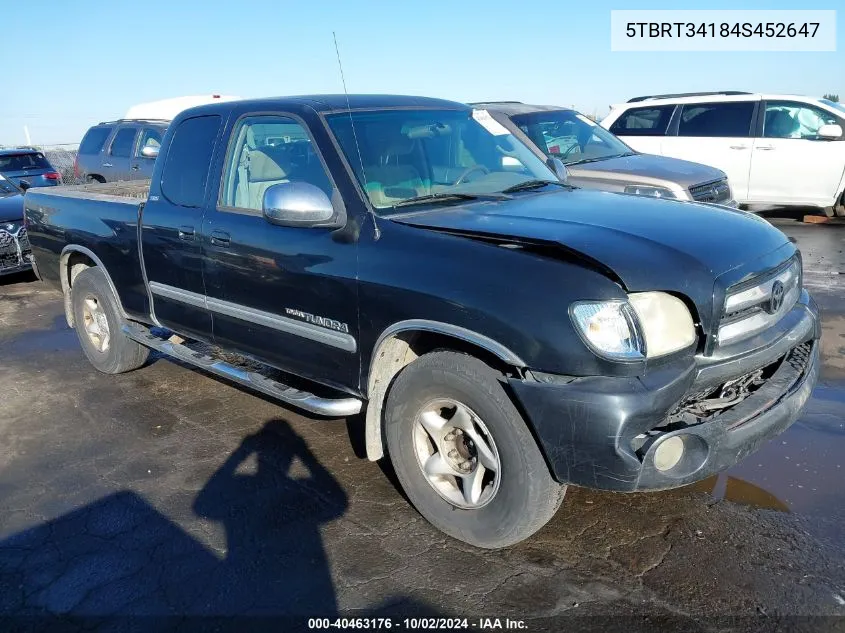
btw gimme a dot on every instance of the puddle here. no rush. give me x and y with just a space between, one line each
801 471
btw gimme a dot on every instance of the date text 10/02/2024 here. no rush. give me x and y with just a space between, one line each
417 624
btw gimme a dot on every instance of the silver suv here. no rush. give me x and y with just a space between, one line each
596 159
119 150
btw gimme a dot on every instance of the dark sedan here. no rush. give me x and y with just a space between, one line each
15 254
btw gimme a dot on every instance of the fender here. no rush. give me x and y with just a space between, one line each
391 354
66 290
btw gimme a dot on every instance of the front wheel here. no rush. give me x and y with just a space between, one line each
97 319
463 453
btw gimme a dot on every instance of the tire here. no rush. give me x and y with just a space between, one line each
95 307
526 496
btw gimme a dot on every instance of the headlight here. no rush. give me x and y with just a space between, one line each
666 323
610 329
648 325
656 192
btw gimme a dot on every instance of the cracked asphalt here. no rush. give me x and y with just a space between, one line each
167 499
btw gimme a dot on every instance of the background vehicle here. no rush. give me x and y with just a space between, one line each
595 339
15 254
126 149
784 150
596 159
119 150
28 167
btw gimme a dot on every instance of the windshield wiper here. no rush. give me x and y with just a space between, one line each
447 197
532 184
590 160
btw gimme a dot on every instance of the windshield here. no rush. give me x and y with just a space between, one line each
6 186
570 136
833 104
407 154
22 162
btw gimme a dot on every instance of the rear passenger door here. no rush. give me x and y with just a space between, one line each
119 153
719 134
285 295
644 128
141 166
171 220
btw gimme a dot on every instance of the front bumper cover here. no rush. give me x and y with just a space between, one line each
586 426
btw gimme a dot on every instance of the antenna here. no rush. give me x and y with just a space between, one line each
376 231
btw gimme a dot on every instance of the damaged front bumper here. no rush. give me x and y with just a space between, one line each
604 432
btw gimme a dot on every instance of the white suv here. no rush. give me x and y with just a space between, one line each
776 149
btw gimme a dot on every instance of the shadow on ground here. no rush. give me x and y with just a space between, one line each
119 562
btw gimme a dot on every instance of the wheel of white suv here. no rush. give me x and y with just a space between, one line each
98 322
463 453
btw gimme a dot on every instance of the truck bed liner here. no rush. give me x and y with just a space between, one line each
127 192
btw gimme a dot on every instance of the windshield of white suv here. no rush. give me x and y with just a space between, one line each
434 156
833 104
570 136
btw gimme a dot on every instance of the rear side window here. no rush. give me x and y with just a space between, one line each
121 146
185 173
716 119
22 162
651 121
94 140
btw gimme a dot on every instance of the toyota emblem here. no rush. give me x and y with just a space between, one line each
776 300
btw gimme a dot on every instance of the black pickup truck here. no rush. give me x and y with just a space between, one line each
505 334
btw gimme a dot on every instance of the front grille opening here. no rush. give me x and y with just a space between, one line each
708 405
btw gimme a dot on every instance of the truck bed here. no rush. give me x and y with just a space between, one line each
96 221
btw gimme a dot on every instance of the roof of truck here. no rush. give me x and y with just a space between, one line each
340 102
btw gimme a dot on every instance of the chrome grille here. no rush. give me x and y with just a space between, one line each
715 191
753 306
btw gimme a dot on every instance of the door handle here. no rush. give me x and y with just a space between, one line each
765 147
136 167
220 238
107 165
186 233
739 146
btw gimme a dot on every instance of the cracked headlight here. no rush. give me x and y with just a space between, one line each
648 325
655 192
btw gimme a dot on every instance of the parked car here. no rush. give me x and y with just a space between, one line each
28 167
596 159
126 149
119 150
15 253
784 150
506 334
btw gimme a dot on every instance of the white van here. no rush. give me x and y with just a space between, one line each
776 149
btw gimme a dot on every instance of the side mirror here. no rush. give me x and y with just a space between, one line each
24 185
149 151
830 130
297 204
557 166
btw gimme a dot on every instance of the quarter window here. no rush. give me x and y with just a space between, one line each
121 146
788 119
726 119
94 140
267 151
185 173
652 121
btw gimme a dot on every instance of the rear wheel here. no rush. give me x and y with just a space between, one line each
463 453
98 322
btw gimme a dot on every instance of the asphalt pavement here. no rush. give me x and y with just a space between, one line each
165 499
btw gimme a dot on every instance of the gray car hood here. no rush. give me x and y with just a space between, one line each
648 166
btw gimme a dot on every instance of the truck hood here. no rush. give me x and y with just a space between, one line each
645 243
11 207
647 166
